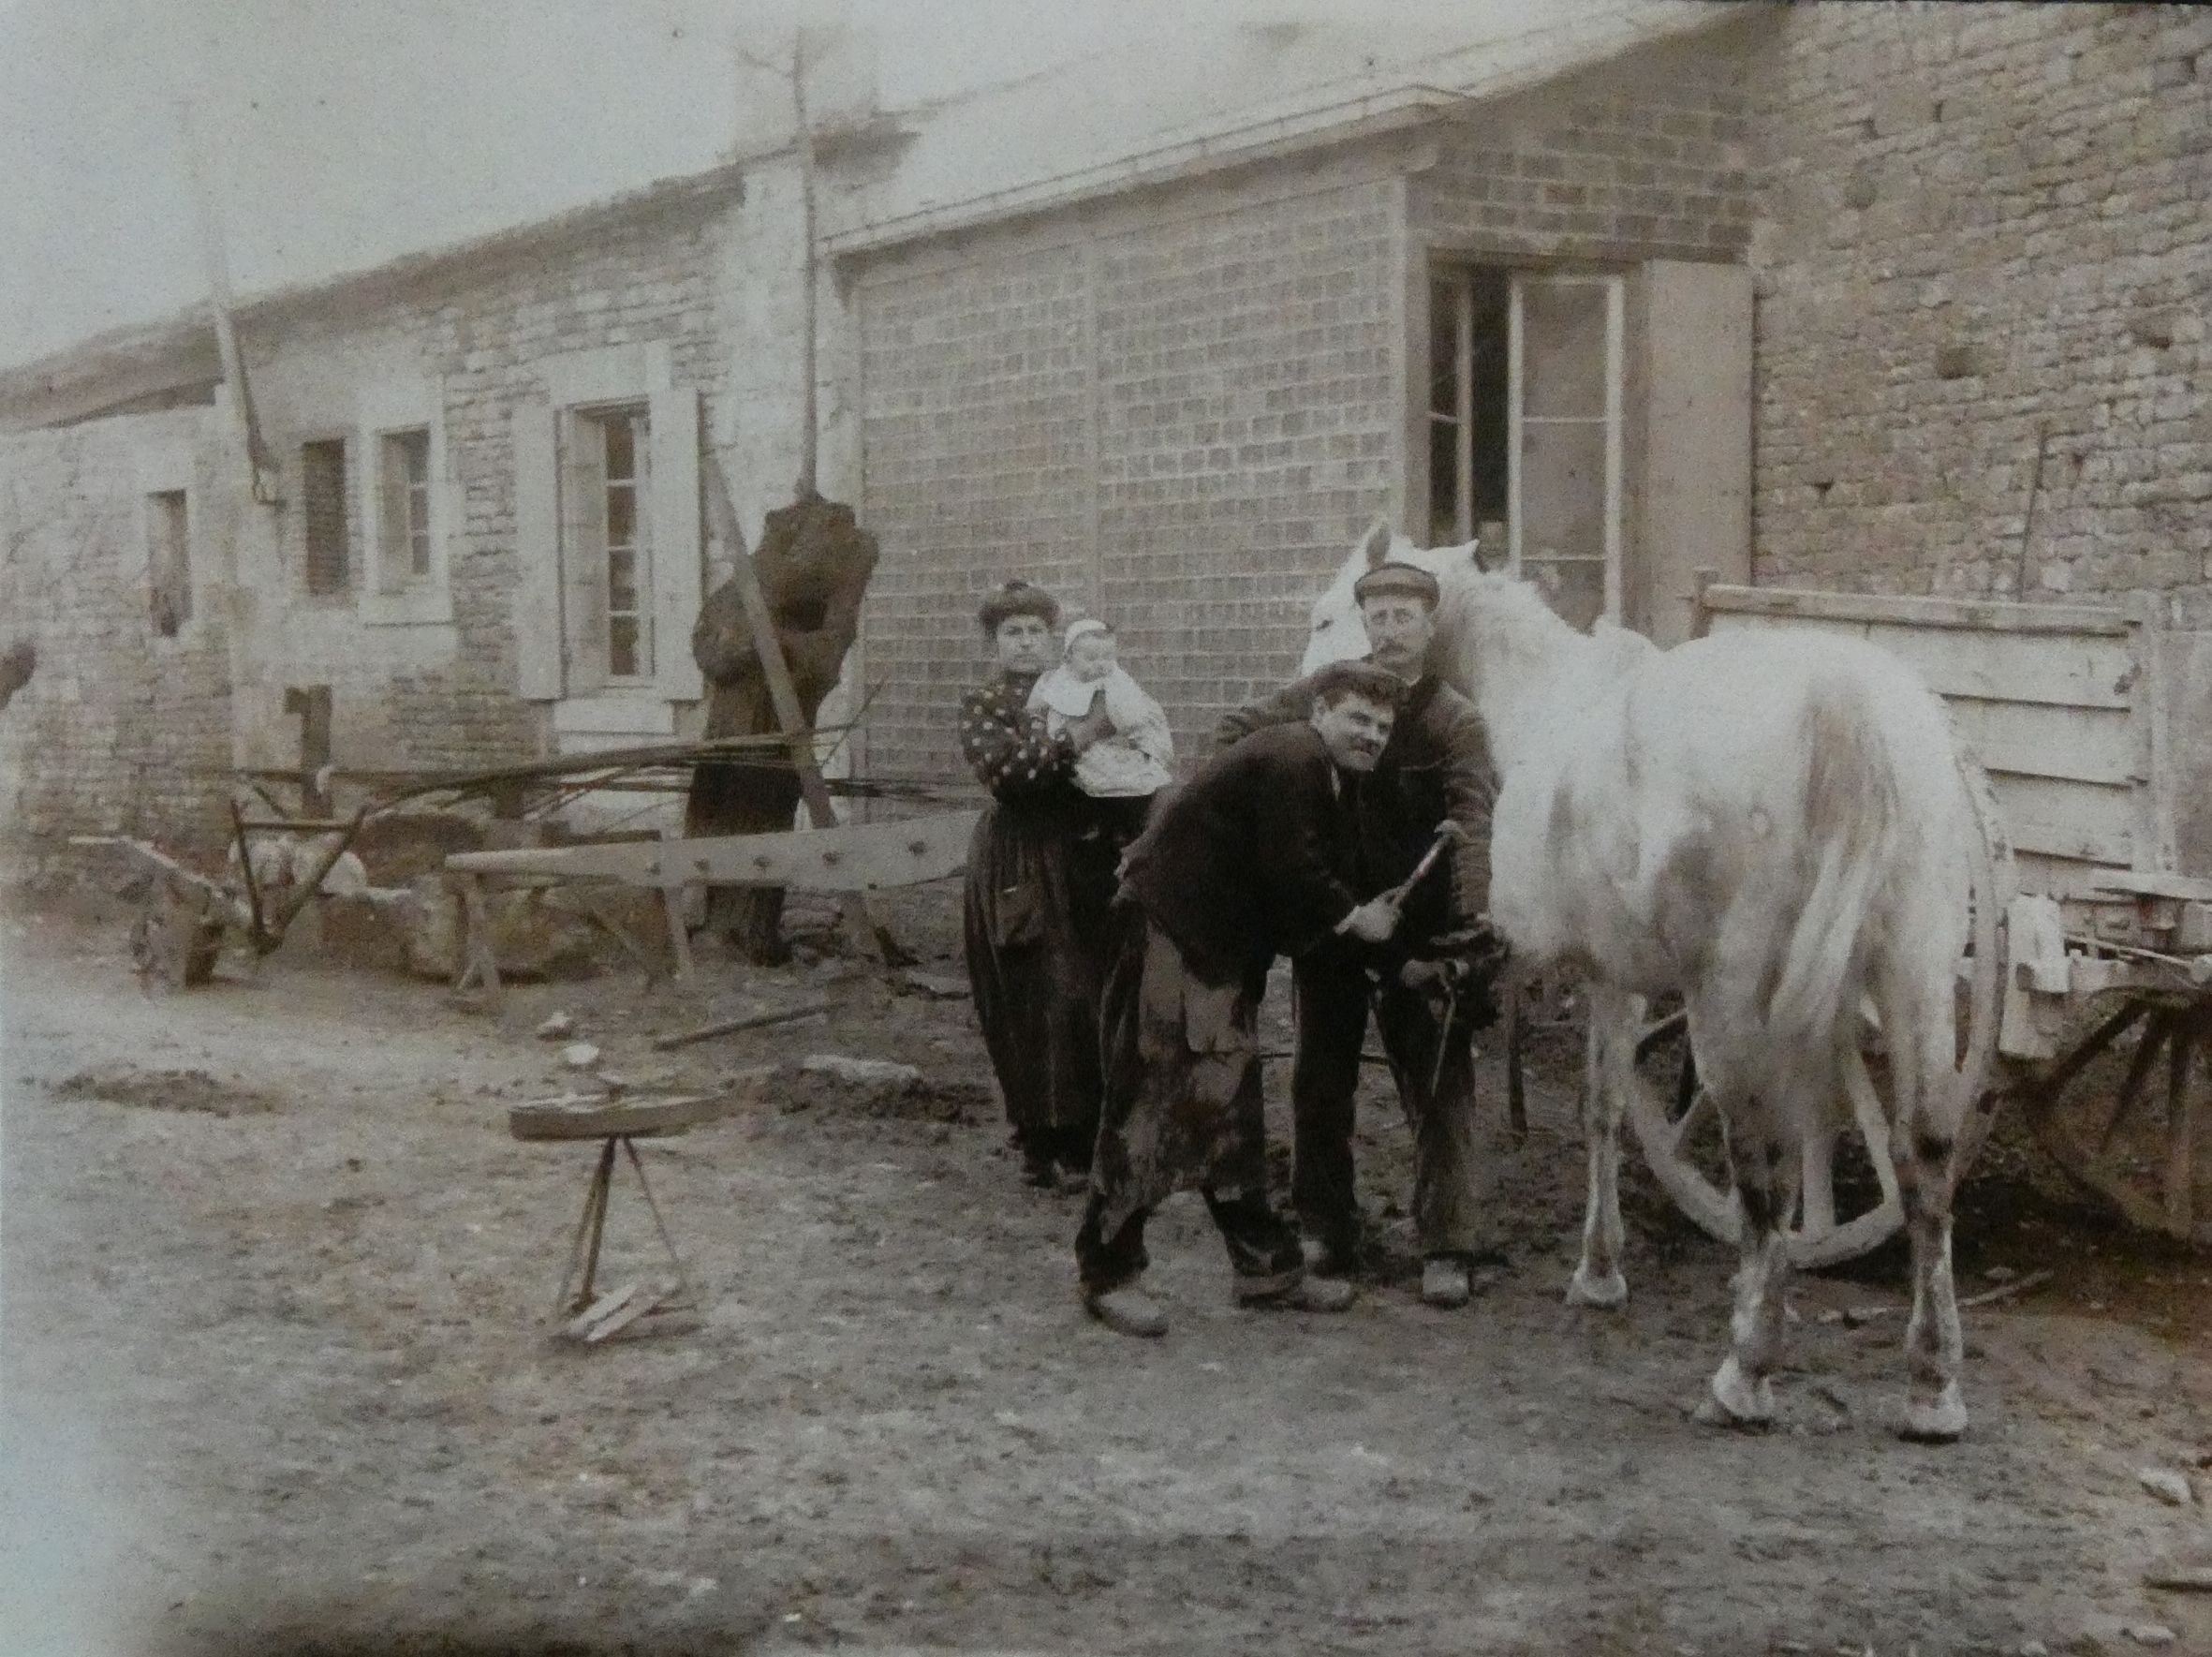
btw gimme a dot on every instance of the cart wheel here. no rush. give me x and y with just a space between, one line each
176 940
2136 1144
1847 1203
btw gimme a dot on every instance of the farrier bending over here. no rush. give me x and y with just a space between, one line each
1436 767
1253 858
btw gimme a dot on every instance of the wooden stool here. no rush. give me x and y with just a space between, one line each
617 1122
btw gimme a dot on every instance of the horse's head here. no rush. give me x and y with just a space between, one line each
1336 634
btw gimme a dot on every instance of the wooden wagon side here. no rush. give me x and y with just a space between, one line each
2092 722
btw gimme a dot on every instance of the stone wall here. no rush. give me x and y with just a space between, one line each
1985 227
120 730
422 695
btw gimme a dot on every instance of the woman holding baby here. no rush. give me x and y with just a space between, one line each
1071 751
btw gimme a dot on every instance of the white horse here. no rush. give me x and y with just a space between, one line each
1781 831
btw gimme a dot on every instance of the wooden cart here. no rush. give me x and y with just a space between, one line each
2091 722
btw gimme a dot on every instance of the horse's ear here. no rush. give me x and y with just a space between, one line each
1376 545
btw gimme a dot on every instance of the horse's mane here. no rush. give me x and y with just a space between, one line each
1493 623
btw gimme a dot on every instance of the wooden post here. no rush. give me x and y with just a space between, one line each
266 477
671 898
1701 621
790 716
809 436
480 957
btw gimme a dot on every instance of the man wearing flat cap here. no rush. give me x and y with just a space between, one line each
1425 1005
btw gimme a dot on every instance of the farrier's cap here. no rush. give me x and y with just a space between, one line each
1397 581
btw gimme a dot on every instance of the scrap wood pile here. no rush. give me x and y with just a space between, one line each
277 859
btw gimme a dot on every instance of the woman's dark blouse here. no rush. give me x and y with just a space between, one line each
1008 747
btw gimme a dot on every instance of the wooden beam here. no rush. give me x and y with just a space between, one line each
781 692
267 479
1990 616
844 857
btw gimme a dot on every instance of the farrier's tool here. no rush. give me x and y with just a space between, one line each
1448 834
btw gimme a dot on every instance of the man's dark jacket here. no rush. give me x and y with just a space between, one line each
1437 765
1253 857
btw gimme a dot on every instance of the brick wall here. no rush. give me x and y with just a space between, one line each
1644 158
1982 223
118 731
1176 412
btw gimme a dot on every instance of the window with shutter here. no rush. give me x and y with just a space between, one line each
607 546
322 514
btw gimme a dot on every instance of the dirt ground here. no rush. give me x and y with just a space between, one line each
278 1375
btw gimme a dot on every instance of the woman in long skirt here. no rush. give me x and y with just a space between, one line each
1040 874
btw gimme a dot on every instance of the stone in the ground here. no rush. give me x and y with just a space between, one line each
2167 1486
557 1028
2151 1633
860 1072
941 986
579 1055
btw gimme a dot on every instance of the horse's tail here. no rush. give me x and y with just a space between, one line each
1852 813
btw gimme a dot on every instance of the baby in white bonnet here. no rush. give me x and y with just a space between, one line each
1134 762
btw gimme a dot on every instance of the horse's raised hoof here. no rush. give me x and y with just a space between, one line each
1940 1420
1585 1289
1733 1401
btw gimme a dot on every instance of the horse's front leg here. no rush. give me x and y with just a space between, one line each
1608 1073
1741 1393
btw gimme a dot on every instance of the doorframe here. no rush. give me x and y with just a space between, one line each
1427 259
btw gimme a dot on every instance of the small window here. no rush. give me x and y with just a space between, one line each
614 542
1468 407
322 512
403 470
169 561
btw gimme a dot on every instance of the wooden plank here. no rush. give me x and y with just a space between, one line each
534 433
2156 884
2062 667
679 554
1979 615
2073 820
2066 670
851 857
2159 808
724 1027
1696 387
2039 739
577 1115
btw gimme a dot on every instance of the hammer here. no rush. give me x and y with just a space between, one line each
1448 834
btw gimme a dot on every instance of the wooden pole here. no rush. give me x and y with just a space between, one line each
790 716
809 436
208 214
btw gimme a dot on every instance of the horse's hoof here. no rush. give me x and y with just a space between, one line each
1940 1420
1605 1291
1734 1402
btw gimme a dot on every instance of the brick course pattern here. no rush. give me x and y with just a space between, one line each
1178 420
1647 159
1986 223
